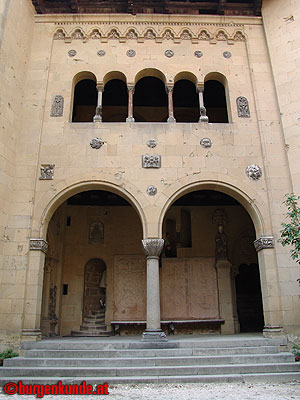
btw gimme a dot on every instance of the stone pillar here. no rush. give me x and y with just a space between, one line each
203 116
169 89
269 286
153 332
130 103
34 289
98 115
225 289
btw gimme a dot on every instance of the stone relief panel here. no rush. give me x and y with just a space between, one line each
254 172
151 161
242 107
264 242
47 171
96 232
57 108
38 244
189 288
129 288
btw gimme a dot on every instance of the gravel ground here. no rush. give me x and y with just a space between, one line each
192 391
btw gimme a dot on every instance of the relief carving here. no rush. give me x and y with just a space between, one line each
38 244
96 232
264 242
253 172
47 171
57 108
243 107
151 161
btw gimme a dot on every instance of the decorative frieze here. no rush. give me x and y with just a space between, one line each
38 244
151 161
96 143
47 171
264 242
57 107
242 107
175 32
254 172
151 190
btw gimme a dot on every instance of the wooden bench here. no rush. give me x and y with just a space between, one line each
171 324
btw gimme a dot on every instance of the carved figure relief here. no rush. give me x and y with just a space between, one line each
57 108
253 172
47 171
168 35
96 232
243 107
59 35
131 34
150 35
95 34
204 35
221 244
151 161
77 34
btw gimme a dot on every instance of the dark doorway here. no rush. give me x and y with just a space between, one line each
94 286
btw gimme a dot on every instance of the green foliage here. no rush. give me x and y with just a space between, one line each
9 353
290 234
296 352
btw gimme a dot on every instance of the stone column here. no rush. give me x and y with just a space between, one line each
98 115
169 89
153 332
34 289
270 289
130 103
203 116
223 268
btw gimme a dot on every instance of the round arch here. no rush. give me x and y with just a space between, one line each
114 75
189 76
150 72
47 206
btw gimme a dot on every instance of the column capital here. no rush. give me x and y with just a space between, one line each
169 87
38 244
153 247
131 87
264 242
100 86
200 88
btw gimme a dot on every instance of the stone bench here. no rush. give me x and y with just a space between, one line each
171 324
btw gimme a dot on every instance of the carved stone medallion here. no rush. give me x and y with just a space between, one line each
72 53
198 54
38 244
226 54
264 242
151 161
151 190
57 108
101 53
243 107
130 53
151 143
253 172
96 143
205 142
169 53
47 171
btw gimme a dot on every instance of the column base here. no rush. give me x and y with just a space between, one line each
31 335
272 331
130 119
154 336
171 119
203 118
97 118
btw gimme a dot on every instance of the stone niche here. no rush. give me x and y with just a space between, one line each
189 288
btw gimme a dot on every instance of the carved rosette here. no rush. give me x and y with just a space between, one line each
47 171
253 172
38 244
169 53
264 242
151 190
151 161
153 247
72 53
243 107
151 143
205 142
226 54
96 143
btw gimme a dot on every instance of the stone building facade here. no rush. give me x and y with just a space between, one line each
144 160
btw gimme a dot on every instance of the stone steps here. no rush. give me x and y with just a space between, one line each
93 325
126 360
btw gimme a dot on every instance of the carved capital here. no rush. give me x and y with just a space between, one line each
100 87
200 88
38 244
169 88
130 88
153 247
264 242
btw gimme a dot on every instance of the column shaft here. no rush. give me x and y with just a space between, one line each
98 115
169 90
203 116
130 103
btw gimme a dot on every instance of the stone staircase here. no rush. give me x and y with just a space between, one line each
93 325
209 358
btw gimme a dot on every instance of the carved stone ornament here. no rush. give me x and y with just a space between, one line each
243 107
72 53
96 143
153 247
264 242
198 54
151 161
151 143
38 244
101 53
253 172
57 108
47 171
130 53
226 54
205 142
169 53
151 190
